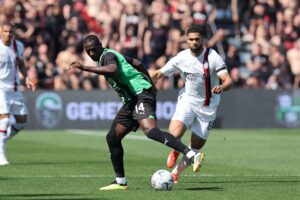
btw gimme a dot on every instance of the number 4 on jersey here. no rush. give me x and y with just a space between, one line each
139 108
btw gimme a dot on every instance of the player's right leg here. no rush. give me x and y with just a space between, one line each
177 129
4 121
120 127
198 140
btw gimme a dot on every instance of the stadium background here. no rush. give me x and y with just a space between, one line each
240 108
254 38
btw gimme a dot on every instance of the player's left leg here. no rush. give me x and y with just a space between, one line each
144 113
114 137
183 118
196 144
4 119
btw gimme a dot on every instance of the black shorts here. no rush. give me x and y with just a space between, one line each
141 107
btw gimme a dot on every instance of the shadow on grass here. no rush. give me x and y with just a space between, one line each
203 189
232 182
57 163
48 196
251 181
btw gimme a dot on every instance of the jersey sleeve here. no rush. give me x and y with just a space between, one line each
170 67
128 59
109 58
218 63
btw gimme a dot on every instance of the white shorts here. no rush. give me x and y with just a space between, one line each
12 103
195 116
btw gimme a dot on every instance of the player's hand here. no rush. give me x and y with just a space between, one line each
76 66
218 89
155 75
31 83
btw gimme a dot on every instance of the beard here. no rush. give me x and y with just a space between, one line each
196 50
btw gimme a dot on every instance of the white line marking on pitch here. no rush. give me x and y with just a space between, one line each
141 176
98 133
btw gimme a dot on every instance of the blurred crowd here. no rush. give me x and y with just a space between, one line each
258 39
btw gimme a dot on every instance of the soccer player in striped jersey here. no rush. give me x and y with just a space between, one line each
134 86
11 100
206 77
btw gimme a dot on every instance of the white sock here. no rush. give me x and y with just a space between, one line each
121 180
3 132
184 163
190 154
2 144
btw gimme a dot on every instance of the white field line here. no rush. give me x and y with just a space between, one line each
142 176
99 133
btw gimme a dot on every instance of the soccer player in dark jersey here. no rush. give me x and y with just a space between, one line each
134 86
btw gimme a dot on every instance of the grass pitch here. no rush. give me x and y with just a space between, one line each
240 164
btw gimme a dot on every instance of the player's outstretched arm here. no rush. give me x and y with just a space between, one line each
225 85
106 69
156 75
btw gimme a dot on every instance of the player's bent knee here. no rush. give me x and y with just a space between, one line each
109 137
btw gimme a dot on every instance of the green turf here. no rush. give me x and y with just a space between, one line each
240 164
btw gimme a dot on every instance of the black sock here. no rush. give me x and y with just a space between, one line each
167 139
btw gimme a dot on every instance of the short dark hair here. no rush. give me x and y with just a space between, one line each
92 38
195 29
7 24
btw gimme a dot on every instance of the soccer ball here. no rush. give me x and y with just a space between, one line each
162 180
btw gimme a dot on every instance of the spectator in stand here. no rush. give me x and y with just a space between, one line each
222 15
293 57
48 25
155 39
232 59
105 19
262 38
280 75
179 11
67 79
258 64
157 7
200 16
132 26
